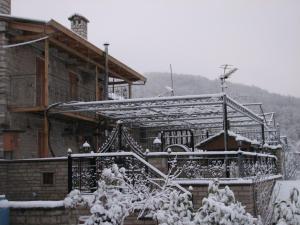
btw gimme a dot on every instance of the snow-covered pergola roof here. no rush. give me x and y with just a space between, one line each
177 111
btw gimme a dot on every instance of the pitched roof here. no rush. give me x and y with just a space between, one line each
63 38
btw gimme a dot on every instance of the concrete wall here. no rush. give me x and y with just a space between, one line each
23 179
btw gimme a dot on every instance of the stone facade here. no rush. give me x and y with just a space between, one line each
61 216
5 6
19 88
22 180
79 24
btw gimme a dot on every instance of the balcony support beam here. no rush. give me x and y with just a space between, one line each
46 100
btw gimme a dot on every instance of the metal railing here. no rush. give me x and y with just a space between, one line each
118 92
84 170
219 164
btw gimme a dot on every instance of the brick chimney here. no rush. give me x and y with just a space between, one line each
5 6
79 24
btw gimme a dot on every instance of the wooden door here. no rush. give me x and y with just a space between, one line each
40 82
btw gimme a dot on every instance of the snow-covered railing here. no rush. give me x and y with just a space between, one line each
84 170
219 164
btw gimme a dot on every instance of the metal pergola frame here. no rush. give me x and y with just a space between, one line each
192 111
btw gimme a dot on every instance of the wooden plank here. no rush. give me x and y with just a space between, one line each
46 79
26 109
46 99
129 91
80 117
28 37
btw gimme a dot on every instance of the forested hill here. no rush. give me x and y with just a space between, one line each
287 108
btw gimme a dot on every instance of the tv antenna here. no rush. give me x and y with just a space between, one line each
227 72
172 81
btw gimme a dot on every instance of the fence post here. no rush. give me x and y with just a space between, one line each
162 140
70 172
93 174
240 163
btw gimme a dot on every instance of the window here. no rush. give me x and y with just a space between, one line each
48 178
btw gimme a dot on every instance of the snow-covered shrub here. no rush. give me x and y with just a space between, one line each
74 199
220 207
288 212
174 209
113 201
118 196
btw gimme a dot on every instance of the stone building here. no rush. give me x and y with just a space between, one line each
42 63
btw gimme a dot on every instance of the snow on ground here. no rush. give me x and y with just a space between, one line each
31 204
284 188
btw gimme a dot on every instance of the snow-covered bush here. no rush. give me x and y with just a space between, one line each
118 196
111 203
220 207
288 212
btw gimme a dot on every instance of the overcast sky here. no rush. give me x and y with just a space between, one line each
260 37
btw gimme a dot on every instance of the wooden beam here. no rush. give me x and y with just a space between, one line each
117 82
80 117
129 91
46 99
27 37
35 28
85 58
26 109
46 57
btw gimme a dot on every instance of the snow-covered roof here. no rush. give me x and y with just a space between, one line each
237 137
191 111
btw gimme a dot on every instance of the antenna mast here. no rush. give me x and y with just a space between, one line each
172 81
226 74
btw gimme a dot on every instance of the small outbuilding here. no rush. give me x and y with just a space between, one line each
235 141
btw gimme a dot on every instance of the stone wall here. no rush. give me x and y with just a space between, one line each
18 88
45 216
60 216
243 193
255 195
23 179
5 6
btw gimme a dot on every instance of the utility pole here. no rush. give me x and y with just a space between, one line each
105 80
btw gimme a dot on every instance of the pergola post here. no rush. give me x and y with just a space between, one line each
263 134
225 127
120 136
225 123
129 91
